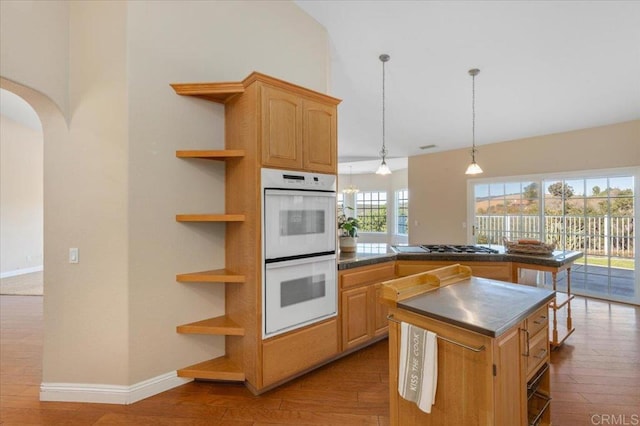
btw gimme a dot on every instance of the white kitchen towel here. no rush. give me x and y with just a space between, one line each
418 369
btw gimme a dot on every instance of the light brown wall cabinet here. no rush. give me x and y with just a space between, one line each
297 133
270 123
363 317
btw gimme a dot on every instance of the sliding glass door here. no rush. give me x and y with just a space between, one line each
592 212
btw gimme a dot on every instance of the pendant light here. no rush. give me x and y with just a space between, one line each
351 189
383 169
473 168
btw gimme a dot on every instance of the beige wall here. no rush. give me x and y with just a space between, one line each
21 214
86 304
112 182
438 185
34 46
206 41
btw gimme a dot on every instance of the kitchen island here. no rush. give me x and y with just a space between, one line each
493 353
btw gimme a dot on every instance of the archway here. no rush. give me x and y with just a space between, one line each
21 201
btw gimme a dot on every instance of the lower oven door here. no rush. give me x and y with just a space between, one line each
298 292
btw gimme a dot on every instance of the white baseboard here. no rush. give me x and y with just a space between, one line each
110 394
17 272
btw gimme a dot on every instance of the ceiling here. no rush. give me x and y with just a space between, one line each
545 67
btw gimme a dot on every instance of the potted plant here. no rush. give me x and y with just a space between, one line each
348 227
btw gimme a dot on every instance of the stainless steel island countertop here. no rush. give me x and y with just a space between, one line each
481 305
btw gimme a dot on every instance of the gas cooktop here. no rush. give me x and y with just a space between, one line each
444 248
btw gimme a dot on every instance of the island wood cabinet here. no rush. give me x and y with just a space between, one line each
491 370
297 132
270 123
363 318
502 384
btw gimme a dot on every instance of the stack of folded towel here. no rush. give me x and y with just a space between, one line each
418 369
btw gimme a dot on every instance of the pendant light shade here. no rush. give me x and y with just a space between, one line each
473 168
383 169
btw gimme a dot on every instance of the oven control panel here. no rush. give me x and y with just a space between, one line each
287 179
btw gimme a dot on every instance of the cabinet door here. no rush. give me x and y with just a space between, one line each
510 389
381 323
281 128
356 316
320 137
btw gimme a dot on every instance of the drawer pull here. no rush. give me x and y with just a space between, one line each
541 354
541 320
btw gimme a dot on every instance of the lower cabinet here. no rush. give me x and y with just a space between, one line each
363 317
298 352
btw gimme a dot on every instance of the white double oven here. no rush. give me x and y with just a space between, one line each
298 250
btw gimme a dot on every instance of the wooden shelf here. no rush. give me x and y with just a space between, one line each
212 276
561 300
214 369
206 217
557 337
216 92
220 155
219 326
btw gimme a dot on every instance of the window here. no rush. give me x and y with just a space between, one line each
372 211
340 201
402 212
506 210
589 212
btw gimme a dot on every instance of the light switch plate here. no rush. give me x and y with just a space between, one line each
73 255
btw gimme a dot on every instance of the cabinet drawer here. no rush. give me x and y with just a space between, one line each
538 351
536 321
367 274
286 356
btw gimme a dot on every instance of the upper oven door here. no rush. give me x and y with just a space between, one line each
299 223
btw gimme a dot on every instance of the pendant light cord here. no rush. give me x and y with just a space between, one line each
383 58
473 117
384 147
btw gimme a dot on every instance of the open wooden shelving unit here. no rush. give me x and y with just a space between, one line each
210 217
221 368
219 155
211 276
268 123
215 92
221 325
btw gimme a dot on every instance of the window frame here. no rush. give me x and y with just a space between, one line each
358 210
634 172
397 206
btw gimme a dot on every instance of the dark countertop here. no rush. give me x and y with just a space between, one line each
481 305
372 253
366 254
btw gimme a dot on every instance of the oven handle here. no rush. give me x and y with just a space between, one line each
294 262
299 192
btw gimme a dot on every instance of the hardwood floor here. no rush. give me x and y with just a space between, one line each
595 381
